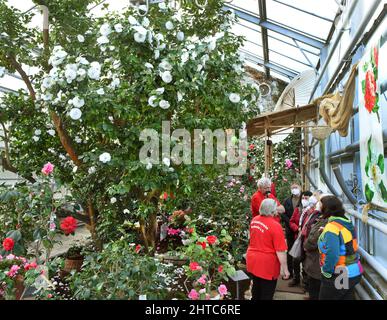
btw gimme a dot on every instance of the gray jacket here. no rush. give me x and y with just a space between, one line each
311 264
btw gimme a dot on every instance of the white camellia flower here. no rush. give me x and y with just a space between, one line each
75 113
58 56
75 169
38 132
180 36
160 90
164 104
126 211
157 54
139 37
105 29
115 83
167 77
78 102
148 65
91 170
149 166
51 132
179 96
113 200
102 40
151 101
162 6
81 73
2 72
184 57
101 91
83 60
132 20
105 157
118 27
234 97
71 72
169 25
35 138
212 45
167 162
47 97
146 22
94 71
165 65
48 82
81 38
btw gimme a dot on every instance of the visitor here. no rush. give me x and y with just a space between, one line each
266 254
311 263
339 259
263 192
296 223
290 204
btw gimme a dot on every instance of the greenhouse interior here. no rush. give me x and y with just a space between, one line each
193 150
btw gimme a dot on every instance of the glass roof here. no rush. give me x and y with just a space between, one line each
278 28
295 30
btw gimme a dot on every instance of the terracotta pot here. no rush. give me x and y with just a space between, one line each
19 287
72 264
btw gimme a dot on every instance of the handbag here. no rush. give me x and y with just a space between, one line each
296 250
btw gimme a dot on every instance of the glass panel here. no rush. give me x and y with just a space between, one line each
326 8
279 76
249 34
247 5
298 20
253 49
290 64
281 37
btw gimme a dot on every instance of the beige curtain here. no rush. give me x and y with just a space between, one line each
337 110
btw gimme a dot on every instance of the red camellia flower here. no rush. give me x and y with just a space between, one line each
370 91
220 269
190 230
212 239
203 244
8 244
251 147
193 266
68 225
165 196
138 248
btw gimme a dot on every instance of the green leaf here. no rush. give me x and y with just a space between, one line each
365 66
369 147
363 85
15 235
369 193
383 190
367 166
381 163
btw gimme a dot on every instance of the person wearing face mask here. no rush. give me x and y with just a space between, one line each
290 204
311 263
264 192
296 223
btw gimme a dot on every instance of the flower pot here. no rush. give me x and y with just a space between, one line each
19 287
73 264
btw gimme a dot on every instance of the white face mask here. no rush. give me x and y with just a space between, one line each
296 191
304 202
318 206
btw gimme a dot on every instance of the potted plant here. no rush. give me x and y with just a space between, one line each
73 259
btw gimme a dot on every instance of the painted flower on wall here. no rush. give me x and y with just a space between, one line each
374 169
369 84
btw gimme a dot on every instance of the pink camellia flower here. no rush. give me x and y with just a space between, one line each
202 291
48 168
251 147
173 232
202 279
222 289
208 297
194 266
1 257
138 248
193 295
288 163
13 271
220 269
10 257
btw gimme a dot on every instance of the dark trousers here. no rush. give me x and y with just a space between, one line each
314 288
328 291
263 289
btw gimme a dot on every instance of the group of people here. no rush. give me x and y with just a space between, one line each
327 260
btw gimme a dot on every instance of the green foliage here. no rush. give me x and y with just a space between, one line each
118 273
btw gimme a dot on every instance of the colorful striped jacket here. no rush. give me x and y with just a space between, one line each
338 247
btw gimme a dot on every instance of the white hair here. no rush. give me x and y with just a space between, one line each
268 207
264 182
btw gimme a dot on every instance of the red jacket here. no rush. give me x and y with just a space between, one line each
295 220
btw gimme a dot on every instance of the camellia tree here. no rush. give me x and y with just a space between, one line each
100 81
